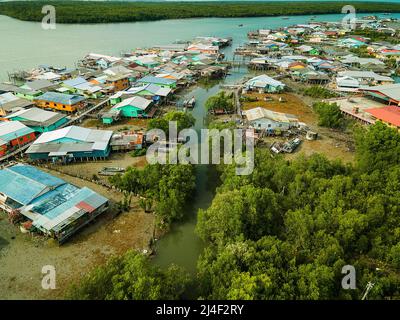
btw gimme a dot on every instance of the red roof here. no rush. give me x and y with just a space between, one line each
389 114
85 206
390 50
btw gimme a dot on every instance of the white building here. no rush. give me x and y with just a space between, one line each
264 119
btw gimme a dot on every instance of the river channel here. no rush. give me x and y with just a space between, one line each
25 45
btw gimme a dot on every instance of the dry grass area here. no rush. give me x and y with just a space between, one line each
291 104
22 257
334 144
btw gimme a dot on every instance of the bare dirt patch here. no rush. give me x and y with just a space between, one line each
92 168
333 143
23 256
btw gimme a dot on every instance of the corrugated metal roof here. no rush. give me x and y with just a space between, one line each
38 84
24 183
7 97
10 130
389 114
37 115
48 201
75 81
152 79
135 101
61 148
67 99
264 80
81 84
66 207
390 90
151 87
78 139
259 113
75 133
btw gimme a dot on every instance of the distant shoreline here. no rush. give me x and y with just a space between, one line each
69 12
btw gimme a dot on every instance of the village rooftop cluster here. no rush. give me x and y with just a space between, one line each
40 113
41 110
359 70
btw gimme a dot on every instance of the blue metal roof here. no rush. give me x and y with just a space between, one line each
74 82
55 202
65 197
50 202
62 98
37 175
24 183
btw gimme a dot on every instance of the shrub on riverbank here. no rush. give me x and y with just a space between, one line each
130 277
222 101
166 188
184 120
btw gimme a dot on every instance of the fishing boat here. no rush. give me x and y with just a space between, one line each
190 103
111 171
291 145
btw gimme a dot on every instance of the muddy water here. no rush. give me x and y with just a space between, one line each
181 245
3 243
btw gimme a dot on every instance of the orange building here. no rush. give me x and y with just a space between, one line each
60 101
118 83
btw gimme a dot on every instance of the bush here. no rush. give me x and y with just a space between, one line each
319 92
139 152
329 115
130 277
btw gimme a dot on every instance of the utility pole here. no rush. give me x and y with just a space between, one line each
369 286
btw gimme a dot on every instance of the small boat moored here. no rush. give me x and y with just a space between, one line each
190 103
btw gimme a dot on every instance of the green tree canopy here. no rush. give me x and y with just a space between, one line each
378 147
184 120
221 101
286 230
130 277
329 114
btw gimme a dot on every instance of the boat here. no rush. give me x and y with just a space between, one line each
276 147
190 103
241 25
111 171
285 18
291 145
311 135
